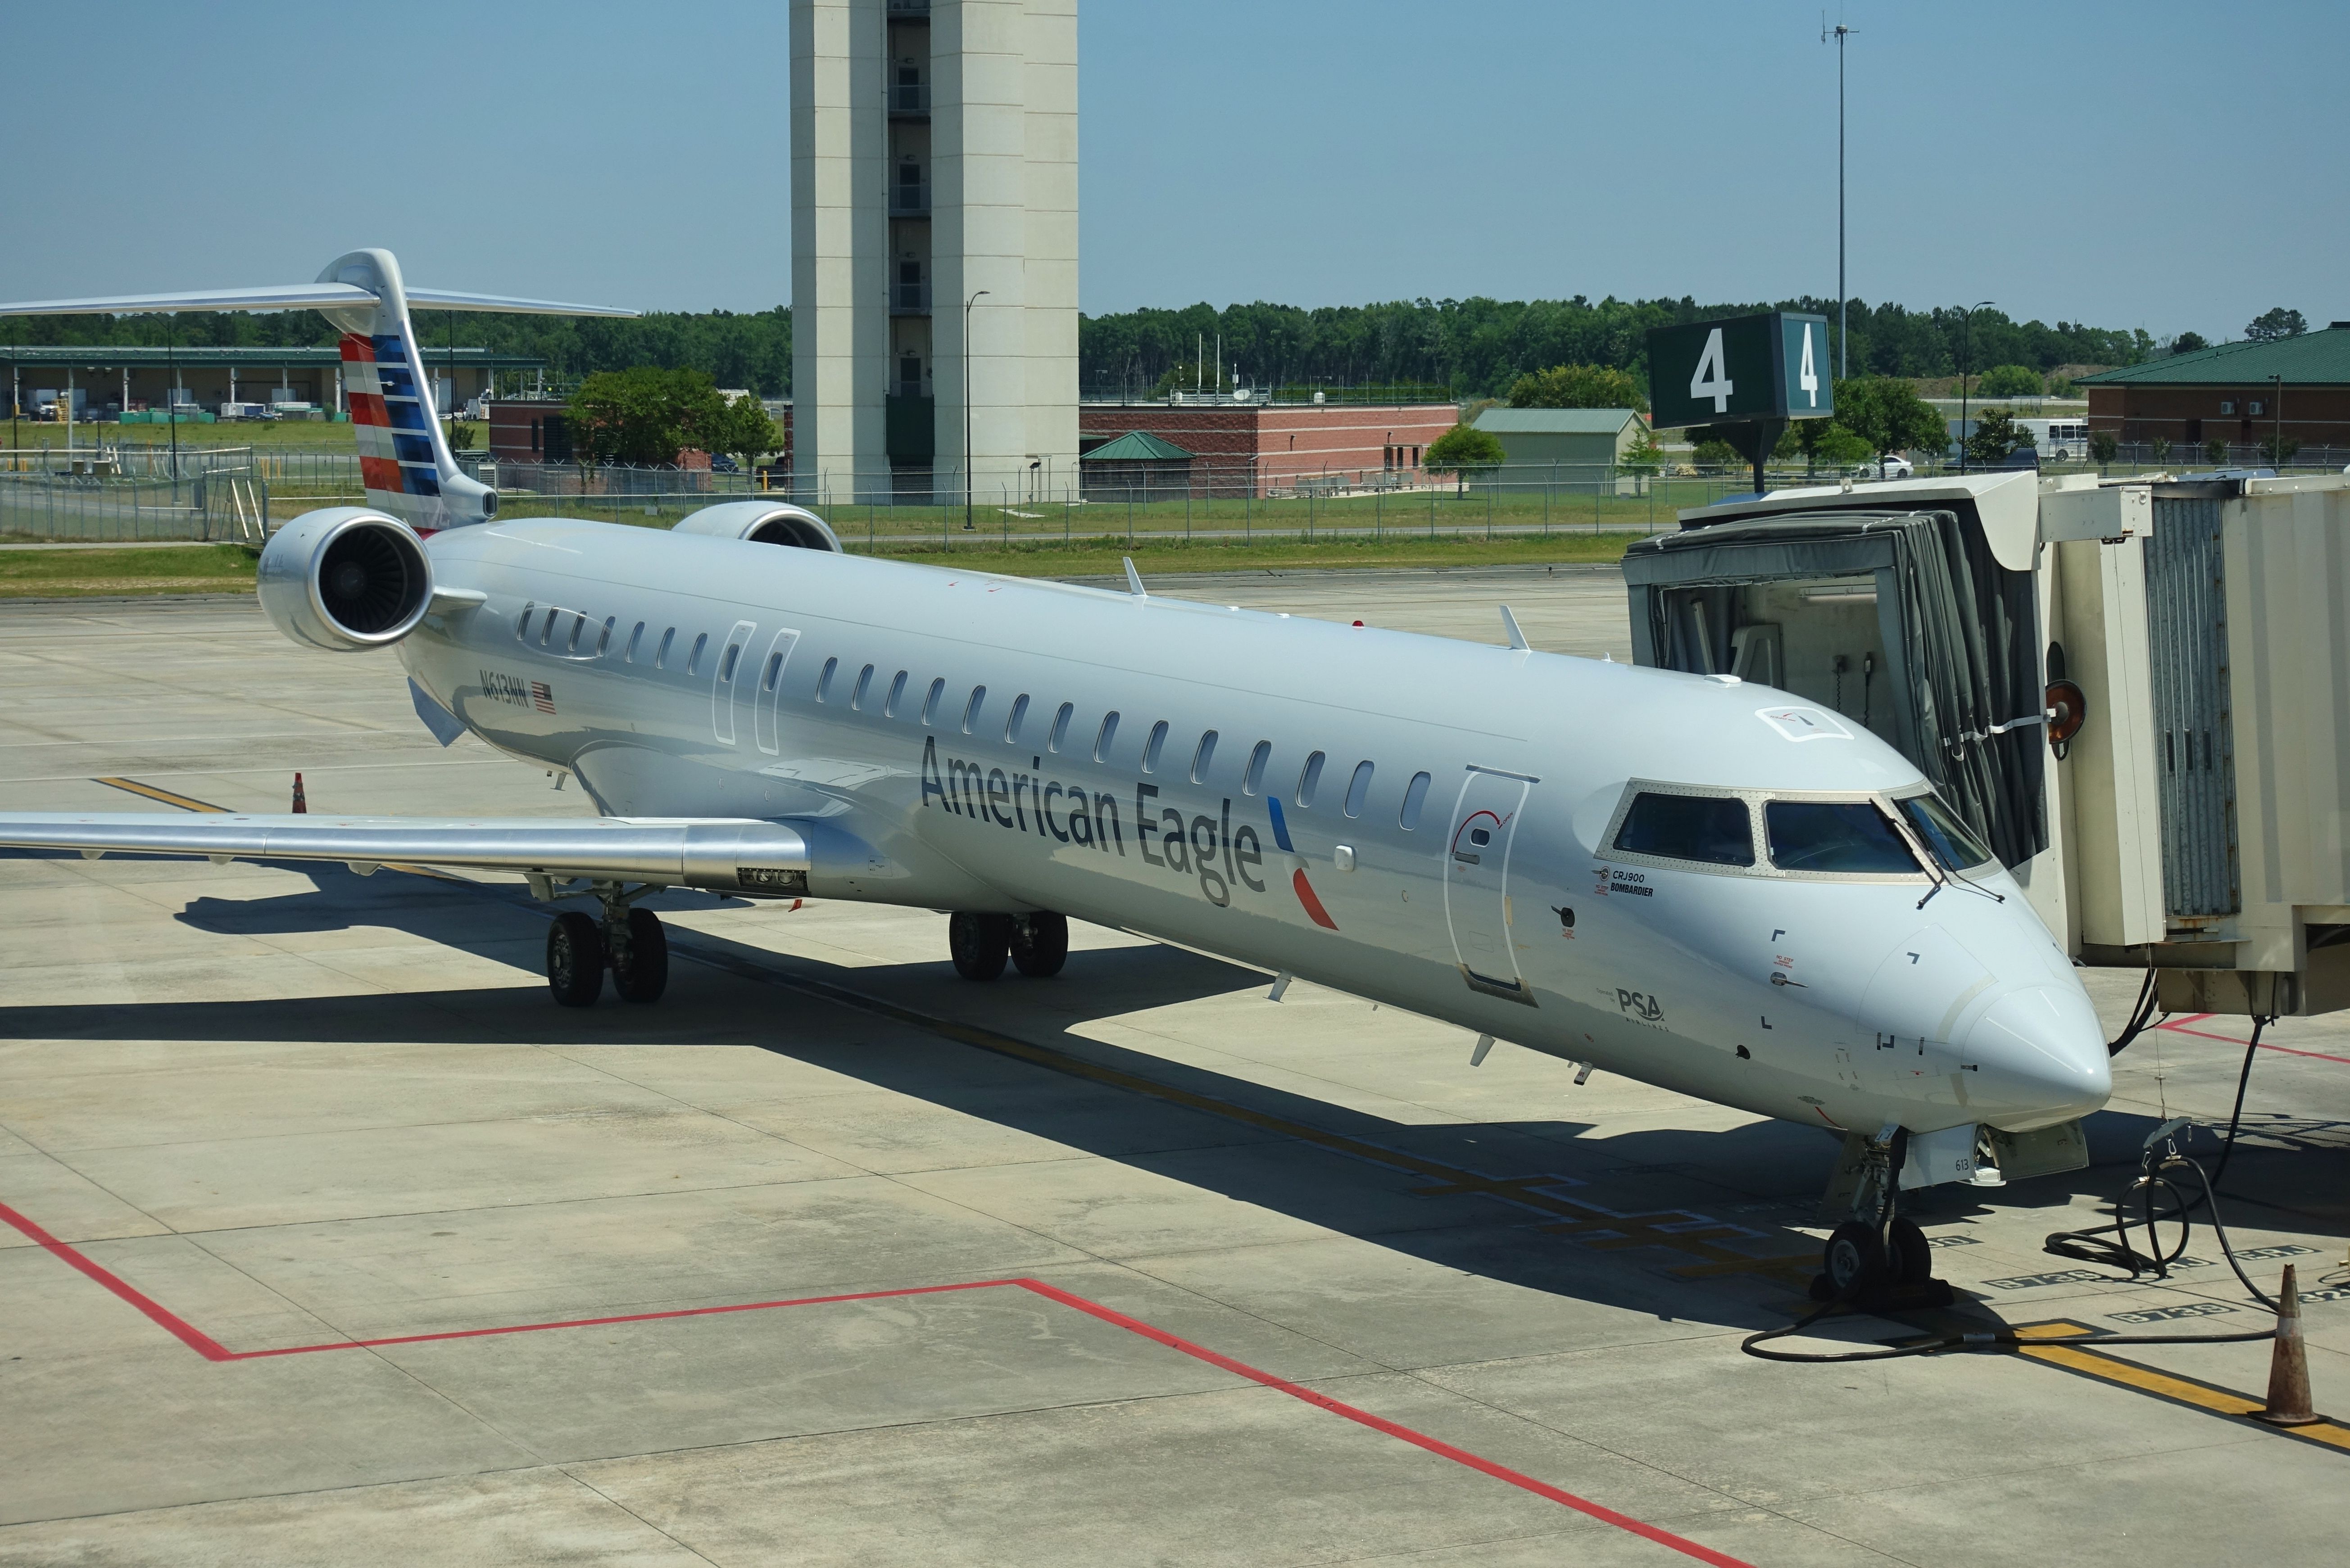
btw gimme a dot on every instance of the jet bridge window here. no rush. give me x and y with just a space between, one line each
1950 841
1711 829
1847 836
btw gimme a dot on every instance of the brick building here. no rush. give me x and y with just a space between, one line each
1239 449
2238 393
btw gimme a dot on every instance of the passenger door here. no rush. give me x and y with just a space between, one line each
1477 907
726 677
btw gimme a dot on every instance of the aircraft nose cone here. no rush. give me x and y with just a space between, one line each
2044 1053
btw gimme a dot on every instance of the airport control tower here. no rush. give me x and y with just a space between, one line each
935 193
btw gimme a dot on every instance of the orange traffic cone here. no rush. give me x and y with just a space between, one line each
2289 1401
301 802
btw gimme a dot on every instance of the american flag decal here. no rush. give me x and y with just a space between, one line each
541 698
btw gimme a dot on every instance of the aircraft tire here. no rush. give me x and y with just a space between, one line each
1040 944
645 975
1908 1259
979 943
575 959
1854 1261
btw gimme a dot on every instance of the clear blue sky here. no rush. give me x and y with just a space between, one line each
2157 164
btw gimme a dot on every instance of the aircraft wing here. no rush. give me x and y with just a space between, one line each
725 853
295 296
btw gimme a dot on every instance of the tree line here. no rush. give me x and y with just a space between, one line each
1469 347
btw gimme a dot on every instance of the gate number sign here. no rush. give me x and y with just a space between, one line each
1772 366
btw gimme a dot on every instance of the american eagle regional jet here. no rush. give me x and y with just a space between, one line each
1703 885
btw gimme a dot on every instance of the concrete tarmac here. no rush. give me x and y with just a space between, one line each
330 1239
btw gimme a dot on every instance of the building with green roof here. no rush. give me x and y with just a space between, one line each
1135 466
2238 394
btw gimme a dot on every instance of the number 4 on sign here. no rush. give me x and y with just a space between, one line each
1712 378
1808 378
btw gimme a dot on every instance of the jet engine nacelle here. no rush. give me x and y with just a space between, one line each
762 522
345 578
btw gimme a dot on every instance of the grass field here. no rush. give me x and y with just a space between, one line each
228 568
82 574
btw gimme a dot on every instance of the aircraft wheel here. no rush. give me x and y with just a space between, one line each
575 959
644 974
979 943
1854 1260
1908 1259
1040 945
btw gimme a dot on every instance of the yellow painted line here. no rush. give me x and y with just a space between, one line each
2171 1386
185 802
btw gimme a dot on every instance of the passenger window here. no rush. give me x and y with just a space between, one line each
1254 780
726 665
931 703
522 624
1359 789
1012 725
775 668
661 654
1309 781
896 690
971 709
1705 827
824 681
1415 795
1108 733
578 624
605 641
857 698
547 626
1850 836
1150 747
635 638
693 660
1201 758
1060 727
1950 840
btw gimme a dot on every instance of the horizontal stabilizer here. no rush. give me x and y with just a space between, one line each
288 297
295 296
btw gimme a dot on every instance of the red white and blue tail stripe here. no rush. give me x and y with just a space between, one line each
398 462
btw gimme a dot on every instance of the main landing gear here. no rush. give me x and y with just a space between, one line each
1036 945
629 941
1877 1259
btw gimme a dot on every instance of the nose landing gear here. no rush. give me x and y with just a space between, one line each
1877 1259
629 941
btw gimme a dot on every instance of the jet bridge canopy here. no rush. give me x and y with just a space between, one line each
1904 622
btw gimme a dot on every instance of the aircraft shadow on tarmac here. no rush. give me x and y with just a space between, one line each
1728 1176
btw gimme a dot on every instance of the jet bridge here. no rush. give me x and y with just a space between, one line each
2137 692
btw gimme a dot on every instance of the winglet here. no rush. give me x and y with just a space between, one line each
1134 579
1517 638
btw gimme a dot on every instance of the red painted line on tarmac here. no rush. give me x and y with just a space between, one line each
2179 1026
212 1349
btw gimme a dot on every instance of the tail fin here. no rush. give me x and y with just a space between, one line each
404 459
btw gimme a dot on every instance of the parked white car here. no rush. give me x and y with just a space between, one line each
1893 466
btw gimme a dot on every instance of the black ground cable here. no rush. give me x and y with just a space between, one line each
2243 1077
2142 1014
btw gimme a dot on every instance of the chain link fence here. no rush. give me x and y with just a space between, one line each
117 495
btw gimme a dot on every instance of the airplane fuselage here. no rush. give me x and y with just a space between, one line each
1427 823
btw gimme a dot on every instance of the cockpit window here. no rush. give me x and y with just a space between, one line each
1710 828
1951 841
1847 836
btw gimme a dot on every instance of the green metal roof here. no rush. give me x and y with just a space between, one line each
1137 446
2311 359
148 356
1554 422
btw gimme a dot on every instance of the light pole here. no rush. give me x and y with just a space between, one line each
1966 362
967 474
2276 407
1844 353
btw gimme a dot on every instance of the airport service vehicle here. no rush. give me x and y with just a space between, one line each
1695 880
